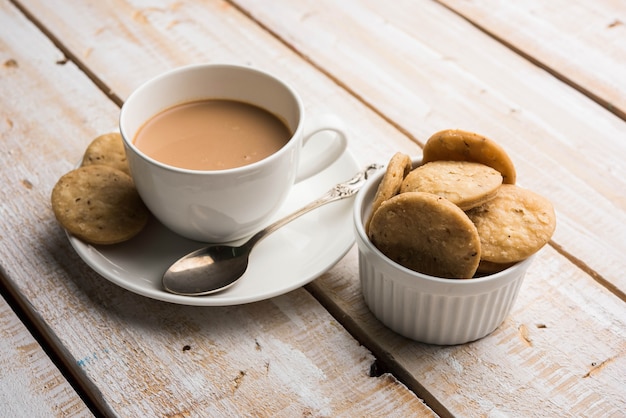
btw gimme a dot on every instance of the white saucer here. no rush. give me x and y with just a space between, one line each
287 259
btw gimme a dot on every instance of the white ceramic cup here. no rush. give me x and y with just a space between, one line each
225 205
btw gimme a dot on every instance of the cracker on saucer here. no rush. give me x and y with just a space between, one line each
466 184
107 149
99 205
398 167
458 145
427 233
514 225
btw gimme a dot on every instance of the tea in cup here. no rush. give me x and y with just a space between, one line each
217 134
214 149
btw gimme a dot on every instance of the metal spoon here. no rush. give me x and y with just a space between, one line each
216 267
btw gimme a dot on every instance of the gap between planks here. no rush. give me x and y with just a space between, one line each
383 363
69 56
40 332
326 73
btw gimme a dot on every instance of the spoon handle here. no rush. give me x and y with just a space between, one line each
340 191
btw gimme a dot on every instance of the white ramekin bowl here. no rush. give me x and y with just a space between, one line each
426 308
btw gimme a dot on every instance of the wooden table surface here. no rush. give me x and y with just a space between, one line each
546 79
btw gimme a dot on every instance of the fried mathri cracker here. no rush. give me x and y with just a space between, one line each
458 145
514 225
428 234
99 204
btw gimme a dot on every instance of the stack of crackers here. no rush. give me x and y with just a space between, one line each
459 214
98 202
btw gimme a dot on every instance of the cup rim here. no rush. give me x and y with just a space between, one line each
128 142
358 211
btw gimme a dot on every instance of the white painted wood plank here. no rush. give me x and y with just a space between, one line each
138 357
587 39
425 68
561 351
30 384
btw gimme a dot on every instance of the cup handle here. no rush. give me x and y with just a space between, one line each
326 149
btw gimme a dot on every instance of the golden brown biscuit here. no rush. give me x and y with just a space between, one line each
514 225
99 205
466 184
458 145
107 149
398 167
427 233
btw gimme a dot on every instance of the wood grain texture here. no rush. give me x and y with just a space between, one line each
31 385
427 69
561 351
587 40
135 356
588 397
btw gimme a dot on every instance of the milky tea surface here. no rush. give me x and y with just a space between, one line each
212 134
